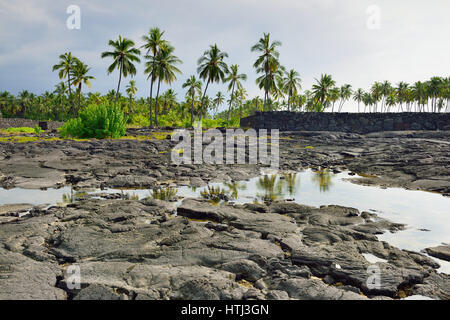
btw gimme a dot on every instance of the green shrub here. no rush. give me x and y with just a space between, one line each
139 120
96 121
37 130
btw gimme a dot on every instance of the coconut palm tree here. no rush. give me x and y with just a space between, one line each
419 94
131 90
358 96
219 100
291 83
385 90
402 91
391 100
367 100
194 86
154 42
211 68
345 92
376 91
65 65
124 54
170 99
60 90
234 79
163 67
80 77
267 63
321 90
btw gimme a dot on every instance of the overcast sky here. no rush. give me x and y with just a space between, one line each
318 36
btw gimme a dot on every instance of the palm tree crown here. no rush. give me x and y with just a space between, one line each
124 54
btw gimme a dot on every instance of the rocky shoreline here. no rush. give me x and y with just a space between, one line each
139 249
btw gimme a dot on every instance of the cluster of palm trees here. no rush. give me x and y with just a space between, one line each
429 96
77 74
281 87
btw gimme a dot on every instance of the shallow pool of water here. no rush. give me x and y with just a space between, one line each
426 214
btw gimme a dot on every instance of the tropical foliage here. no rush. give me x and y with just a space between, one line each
160 105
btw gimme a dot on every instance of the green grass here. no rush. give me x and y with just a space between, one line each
18 130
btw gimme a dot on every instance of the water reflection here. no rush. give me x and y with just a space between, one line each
234 187
163 193
292 183
215 195
73 196
322 178
271 187
418 210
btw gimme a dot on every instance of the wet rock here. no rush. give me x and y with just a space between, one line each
440 252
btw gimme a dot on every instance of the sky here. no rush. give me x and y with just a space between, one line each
356 41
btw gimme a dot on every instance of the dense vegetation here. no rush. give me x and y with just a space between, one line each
96 121
281 87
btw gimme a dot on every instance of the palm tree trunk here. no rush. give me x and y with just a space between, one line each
201 101
150 101
192 109
70 93
265 95
156 103
79 97
289 101
118 86
231 100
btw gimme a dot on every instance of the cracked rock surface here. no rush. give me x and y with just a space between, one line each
130 249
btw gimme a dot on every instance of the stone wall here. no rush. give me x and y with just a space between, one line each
347 122
18 122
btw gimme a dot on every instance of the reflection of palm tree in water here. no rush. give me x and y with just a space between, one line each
164 193
292 182
234 187
272 189
323 179
72 196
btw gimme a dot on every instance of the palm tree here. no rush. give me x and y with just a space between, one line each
233 80
291 83
124 54
65 65
193 86
386 90
402 92
60 90
219 100
153 43
376 94
334 96
266 63
131 90
419 94
391 100
211 68
358 96
367 100
162 67
322 88
80 76
345 92
170 99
